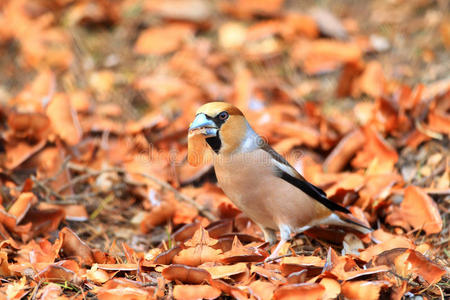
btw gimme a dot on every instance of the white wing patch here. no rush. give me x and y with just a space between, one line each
285 168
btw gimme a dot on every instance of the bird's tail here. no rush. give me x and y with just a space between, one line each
350 221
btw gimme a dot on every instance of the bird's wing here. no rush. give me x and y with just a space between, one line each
286 172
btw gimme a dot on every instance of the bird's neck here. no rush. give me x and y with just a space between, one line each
250 142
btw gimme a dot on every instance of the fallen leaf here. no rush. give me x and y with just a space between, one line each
226 271
64 119
21 206
370 290
324 55
392 243
309 291
98 276
247 8
186 274
162 40
200 250
412 263
420 210
343 152
262 290
193 292
375 147
332 288
73 246
240 253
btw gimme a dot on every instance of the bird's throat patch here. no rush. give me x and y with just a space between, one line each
215 143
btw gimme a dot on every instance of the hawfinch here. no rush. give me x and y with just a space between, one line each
258 180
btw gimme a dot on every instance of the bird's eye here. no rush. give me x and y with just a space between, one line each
223 115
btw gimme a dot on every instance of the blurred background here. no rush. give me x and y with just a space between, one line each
139 54
96 97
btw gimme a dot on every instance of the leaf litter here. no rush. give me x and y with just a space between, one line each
99 199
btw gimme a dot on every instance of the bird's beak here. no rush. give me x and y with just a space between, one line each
208 127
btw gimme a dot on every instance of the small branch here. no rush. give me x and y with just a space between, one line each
403 278
202 211
91 172
282 256
46 189
60 171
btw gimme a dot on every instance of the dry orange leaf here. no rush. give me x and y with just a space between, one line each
395 242
159 214
304 261
18 289
186 274
4 265
295 24
324 54
247 8
305 134
368 290
439 122
291 265
162 40
308 291
371 81
364 272
194 292
413 263
343 152
240 253
375 147
263 290
332 288
197 255
200 250
98 276
20 151
64 119
124 293
59 273
226 271
420 211
50 291
21 206
73 246
270 272
42 221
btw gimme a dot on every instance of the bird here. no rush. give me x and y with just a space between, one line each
258 180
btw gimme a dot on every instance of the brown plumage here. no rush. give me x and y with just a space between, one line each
259 181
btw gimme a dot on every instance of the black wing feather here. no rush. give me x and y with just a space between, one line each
312 191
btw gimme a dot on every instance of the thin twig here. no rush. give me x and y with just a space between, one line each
46 189
403 278
201 210
282 256
59 172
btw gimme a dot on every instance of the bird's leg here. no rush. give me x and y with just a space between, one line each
285 233
270 235
301 229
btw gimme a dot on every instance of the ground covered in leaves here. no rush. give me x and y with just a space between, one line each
97 199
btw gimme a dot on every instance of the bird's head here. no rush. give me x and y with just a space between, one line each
220 125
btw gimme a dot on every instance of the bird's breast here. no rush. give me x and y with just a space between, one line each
250 181
247 179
